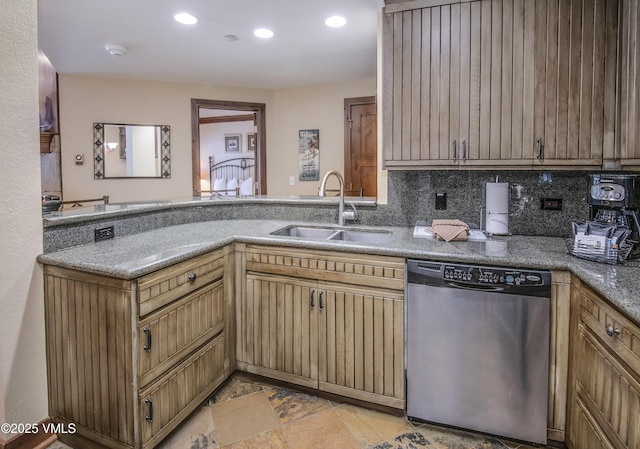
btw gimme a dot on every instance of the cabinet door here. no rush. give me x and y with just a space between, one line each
630 85
575 81
281 328
362 344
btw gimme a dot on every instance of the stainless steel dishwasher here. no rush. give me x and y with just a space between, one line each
478 348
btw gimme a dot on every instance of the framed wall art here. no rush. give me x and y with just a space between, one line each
251 141
309 155
232 143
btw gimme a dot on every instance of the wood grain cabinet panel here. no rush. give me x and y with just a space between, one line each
300 326
629 144
605 399
499 83
105 360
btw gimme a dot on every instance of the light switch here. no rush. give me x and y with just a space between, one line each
292 180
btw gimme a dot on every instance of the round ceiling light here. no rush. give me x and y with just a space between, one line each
185 18
115 49
263 33
230 37
335 21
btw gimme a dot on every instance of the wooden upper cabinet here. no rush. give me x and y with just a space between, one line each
499 83
575 81
630 84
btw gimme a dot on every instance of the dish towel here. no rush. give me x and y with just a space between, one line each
449 230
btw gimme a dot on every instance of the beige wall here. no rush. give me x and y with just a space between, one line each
316 107
23 391
84 100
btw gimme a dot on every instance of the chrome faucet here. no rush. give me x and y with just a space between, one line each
350 215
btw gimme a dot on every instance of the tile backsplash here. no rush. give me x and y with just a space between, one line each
412 197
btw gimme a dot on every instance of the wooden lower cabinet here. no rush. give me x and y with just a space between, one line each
337 337
128 361
605 380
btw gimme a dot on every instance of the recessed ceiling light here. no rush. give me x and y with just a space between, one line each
185 18
263 33
335 21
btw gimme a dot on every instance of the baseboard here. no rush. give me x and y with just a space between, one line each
39 440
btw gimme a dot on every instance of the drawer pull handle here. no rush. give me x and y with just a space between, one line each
313 299
147 347
540 150
321 301
192 277
149 402
464 150
611 331
455 151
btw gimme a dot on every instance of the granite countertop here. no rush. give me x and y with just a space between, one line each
136 255
115 210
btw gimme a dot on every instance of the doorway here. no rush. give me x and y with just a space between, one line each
361 146
260 130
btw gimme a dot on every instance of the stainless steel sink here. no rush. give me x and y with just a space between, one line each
307 232
347 235
362 236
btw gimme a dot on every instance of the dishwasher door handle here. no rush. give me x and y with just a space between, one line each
481 288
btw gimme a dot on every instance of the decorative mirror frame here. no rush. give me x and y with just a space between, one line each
98 151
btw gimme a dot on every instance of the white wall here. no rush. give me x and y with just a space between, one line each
84 100
316 107
23 391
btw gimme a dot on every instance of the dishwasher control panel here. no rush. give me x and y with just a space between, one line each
494 276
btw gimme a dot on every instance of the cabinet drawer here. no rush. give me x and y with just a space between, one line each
358 269
599 318
166 403
171 333
163 286
608 391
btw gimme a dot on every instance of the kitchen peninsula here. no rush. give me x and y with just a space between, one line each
213 269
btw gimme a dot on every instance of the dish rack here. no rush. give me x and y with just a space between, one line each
608 255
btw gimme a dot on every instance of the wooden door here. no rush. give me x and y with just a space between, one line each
575 81
361 146
630 86
281 328
362 344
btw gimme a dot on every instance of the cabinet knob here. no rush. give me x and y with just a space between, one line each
192 277
611 331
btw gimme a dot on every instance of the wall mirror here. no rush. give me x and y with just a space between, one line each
131 151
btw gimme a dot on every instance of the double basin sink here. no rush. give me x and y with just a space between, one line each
347 235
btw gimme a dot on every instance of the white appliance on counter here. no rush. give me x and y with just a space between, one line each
497 208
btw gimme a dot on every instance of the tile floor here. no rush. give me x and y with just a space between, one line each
250 415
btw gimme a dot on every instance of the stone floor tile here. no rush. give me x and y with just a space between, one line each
235 387
445 438
321 431
291 405
409 440
371 427
198 432
240 418
273 439
58 445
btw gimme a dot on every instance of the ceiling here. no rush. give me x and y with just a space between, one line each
304 51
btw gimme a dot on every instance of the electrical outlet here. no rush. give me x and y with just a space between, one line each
551 203
441 200
104 233
292 180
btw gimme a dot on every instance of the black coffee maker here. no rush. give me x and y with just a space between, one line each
614 199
